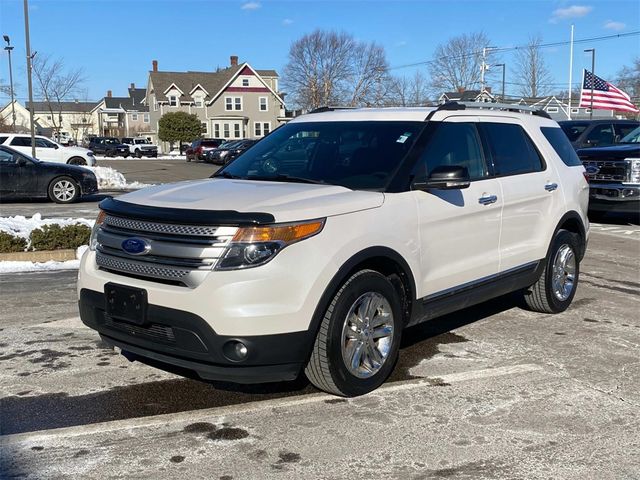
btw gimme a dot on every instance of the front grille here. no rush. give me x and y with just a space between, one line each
608 170
153 331
178 254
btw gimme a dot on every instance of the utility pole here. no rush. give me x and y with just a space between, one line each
8 48
593 77
28 45
503 70
484 67
570 72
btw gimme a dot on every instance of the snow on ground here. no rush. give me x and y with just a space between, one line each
23 267
20 226
111 179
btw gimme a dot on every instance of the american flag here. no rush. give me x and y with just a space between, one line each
605 95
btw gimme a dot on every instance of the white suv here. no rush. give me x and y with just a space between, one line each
49 151
315 248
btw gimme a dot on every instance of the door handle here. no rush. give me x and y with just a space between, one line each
487 199
550 187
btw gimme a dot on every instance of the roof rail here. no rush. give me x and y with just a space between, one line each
489 106
328 108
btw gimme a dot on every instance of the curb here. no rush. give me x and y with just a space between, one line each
40 256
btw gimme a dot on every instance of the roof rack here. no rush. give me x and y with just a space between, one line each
508 107
329 109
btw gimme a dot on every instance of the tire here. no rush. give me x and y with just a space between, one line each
556 287
344 335
64 190
138 153
77 161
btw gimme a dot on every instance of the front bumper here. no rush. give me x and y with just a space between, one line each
182 339
614 197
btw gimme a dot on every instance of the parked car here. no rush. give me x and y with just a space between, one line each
47 150
228 151
596 133
614 175
109 147
199 148
22 176
316 261
63 138
140 147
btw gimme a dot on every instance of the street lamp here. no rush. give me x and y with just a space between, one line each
593 75
503 69
8 48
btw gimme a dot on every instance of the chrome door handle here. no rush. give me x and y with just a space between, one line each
550 187
487 199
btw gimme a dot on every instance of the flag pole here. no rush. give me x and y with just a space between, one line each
570 72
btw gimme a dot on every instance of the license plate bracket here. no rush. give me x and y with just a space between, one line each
126 303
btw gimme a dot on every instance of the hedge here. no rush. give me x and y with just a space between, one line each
55 237
11 244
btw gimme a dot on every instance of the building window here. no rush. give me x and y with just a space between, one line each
145 118
236 130
233 103
48 117
225 130
228 103
261 128
199 102
205 130
245 82
216 130
134 117
155 106
173 101
587 110
237 104
266 127
575 110
263 105
552 109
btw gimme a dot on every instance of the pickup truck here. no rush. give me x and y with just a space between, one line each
140 147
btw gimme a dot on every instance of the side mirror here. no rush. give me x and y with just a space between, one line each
445 177
21 161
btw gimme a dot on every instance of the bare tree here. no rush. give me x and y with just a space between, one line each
329 68
457 63
531 70
628 80
410 91
55 84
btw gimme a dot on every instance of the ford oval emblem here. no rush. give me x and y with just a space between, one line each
592 170
136 246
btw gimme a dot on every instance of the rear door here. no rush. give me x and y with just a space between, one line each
531 195
459 229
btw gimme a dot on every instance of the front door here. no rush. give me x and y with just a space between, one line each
459 229
47 151
8 170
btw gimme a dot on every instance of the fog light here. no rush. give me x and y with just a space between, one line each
235 351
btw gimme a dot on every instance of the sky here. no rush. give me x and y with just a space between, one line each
114 41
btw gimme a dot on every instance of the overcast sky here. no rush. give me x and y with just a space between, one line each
115 41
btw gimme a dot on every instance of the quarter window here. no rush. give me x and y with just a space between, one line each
511 149
562 146
454 144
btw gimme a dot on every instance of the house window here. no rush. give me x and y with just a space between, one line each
266 127
245 82
216 130
257 128
236 130
552 109
155 106
575 110
205 130
228 103
225 130
199 102
134 117
173 101
48 117
237 103
233 103
263 105
587 110
145 118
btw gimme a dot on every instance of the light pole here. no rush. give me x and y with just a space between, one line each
28 45
8 48
484 66
503 69
593 77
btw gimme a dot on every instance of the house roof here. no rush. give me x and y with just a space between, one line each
134 102
63 106
212 82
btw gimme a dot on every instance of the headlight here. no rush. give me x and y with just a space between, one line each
93 240
254 246
635 171
224 153
90 154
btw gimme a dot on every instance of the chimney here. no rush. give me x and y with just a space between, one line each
109 93
234 60
133 86
460 89
155 65
487 89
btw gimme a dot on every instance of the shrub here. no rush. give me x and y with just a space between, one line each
55 237
11 244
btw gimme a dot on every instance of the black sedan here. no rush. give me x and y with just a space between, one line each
228 151
24 177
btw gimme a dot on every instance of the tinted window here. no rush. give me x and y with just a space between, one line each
210 143
632 137
42 143
21 141
512 151
601 135
6 157
357 155
3 139
454 144
573 130
561 145
622 130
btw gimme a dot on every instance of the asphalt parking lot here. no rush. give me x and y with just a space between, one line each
491 392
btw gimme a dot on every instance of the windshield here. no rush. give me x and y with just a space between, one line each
632 137
111 141
142 141
573 130
356 155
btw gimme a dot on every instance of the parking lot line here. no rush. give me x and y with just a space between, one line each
200 415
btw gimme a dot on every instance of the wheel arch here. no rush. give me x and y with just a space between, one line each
69 160
572 222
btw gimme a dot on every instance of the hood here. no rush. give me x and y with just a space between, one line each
617 152
287 202
66 168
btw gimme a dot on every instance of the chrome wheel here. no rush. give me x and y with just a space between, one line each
64 190
564 273
367 335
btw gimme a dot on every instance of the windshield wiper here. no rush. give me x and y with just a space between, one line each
285 178
226 175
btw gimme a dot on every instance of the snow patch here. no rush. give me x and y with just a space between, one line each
23 267
111 179
20 226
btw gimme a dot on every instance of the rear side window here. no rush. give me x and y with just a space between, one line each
511 149
561 145
21 142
